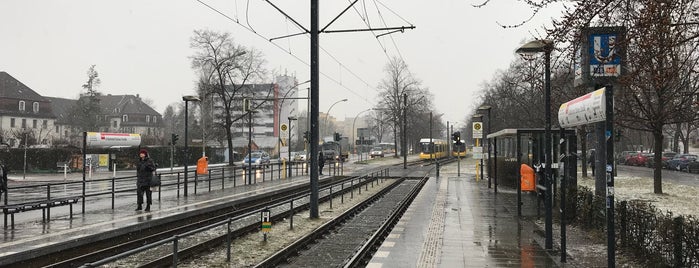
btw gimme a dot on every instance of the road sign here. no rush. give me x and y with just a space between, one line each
477 152
477 130
284 131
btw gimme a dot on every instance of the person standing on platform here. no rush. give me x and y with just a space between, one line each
321 163
144 174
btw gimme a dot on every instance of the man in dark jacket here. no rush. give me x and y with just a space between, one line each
321 163
144 175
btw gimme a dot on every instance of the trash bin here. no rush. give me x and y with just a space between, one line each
528 179
202 165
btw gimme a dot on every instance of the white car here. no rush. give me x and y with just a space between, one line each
299 156
376 152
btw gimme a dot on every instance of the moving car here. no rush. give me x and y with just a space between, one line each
376 152
257 158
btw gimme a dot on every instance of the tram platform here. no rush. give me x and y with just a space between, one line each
457 221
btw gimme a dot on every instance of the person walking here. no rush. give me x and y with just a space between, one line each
591 161
144 175
321 163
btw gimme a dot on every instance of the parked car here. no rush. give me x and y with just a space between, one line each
257 158
376 152
621 159
680 161
693 166
639 159
299 156
664 158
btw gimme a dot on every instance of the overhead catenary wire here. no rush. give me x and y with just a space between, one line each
295 56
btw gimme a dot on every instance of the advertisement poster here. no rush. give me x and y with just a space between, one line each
605 55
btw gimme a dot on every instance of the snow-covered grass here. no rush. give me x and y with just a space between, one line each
676 198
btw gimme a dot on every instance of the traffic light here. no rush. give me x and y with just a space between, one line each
306 136
175 137
456 137
337 137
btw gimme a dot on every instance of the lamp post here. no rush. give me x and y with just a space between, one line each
328 113
545 46
487 131
289 145
186 100
354 130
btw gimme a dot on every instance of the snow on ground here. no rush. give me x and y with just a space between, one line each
676 198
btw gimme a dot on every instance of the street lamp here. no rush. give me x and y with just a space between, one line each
354 131
328 113
186 100
487 131
545 46
288 160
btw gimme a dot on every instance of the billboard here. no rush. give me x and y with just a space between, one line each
601 55
588 108
103 139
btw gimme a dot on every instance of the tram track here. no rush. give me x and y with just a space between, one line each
350 239
113 244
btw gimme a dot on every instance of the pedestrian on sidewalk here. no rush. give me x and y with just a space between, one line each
591 161
144 174
321 163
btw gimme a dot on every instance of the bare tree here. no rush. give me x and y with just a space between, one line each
398 83
225 69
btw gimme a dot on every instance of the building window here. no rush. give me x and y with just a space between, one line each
21 105
125 118
114 124
34 123
45 124
24 123
147 118
56 128
155 119
12 122
35 107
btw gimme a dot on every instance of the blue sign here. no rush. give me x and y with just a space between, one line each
604 54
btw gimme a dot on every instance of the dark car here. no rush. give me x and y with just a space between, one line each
663 159
693 166
680 161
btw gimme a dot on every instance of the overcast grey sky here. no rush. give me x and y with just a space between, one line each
142 47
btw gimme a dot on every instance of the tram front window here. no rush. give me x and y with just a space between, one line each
427 148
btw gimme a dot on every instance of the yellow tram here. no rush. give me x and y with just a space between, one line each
458 150
434 149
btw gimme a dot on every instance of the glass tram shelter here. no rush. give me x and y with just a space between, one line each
516 151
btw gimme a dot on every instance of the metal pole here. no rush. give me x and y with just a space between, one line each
404 142
431 141
547 140
249 172
186 149
315 79
611 246
288 144
84 165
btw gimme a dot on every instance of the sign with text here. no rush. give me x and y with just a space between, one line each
589 108
477 130
284 131
102 139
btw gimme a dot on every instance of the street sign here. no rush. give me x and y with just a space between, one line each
588 108
477 130
284 131
477 152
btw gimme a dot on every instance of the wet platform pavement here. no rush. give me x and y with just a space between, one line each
454 222
458 222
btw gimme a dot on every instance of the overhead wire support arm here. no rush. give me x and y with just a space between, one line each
288 17
338 16
285 36
401 28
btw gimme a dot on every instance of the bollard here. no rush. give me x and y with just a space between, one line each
437 169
